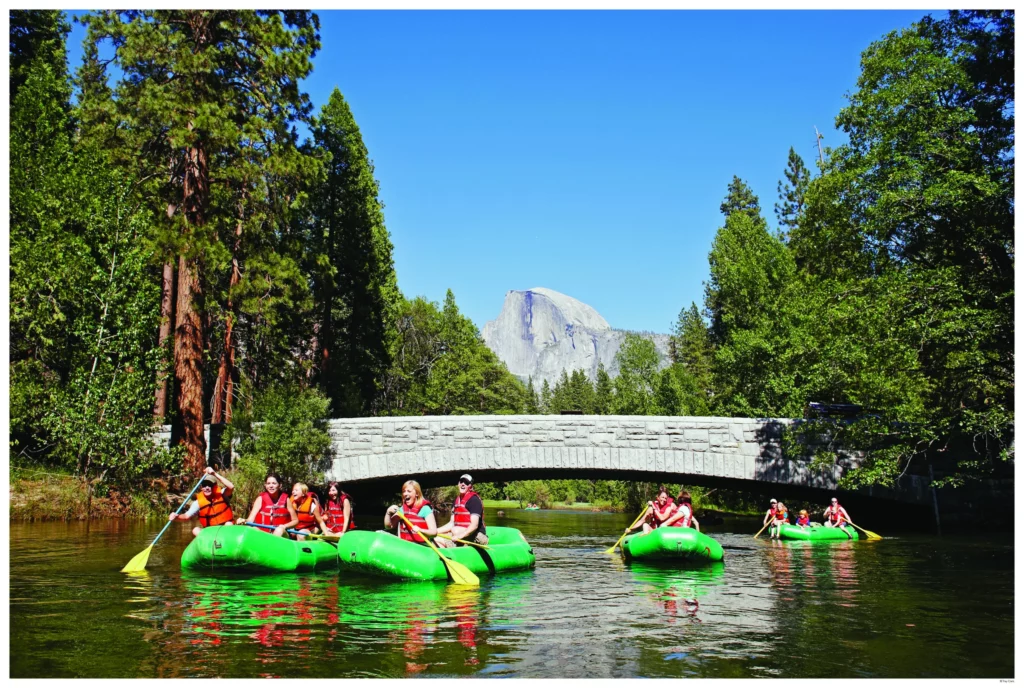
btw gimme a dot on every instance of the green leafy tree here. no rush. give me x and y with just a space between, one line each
637 384
532 400
604 392
199 93
740 199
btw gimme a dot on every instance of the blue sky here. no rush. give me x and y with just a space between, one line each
583 151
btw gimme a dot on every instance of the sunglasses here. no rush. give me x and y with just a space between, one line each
463 482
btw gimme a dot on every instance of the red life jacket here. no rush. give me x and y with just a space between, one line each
834 514
684 522
415 519
273 513
461 513
670 506
304 511
782 516
214 512
334 513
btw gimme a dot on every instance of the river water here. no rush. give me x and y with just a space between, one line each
912 605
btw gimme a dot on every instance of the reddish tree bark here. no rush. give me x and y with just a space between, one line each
166 320
189 335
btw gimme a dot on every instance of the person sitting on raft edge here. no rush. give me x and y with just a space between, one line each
467 521
211 504
270 508
417 510
658 511
683 516
337 509
836 516
305 511
781 519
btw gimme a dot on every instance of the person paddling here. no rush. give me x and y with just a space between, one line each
836 516
337 509
770 514
467 521
658 511
305 511
210 505
417 510
683 516
270 508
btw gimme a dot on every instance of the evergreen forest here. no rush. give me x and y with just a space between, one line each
181 255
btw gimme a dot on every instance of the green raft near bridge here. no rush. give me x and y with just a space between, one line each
241 548
676 544
817 533
383 554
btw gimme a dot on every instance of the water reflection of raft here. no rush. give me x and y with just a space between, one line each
672 544
384 554
240 548
816 533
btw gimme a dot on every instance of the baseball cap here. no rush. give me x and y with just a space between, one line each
773 501
466 477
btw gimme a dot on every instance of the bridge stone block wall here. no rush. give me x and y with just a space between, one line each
371 449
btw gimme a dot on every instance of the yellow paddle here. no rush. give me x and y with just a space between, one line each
871 535
138 562
762 529
465 542
611 550
459 573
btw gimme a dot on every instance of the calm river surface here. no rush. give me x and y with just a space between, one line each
908 606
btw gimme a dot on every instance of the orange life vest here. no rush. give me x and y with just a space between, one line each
304 511
835 515
462 515
334 513
214 512
415 519
273 513
782 516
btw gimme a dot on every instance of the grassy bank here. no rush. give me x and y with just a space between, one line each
45 495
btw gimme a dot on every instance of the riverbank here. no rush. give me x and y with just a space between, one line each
560 506
38 495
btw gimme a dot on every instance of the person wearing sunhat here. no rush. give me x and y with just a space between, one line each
211 504
769 516
467 521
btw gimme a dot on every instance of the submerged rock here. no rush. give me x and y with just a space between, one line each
540 332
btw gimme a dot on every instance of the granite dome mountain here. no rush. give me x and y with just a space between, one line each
540 332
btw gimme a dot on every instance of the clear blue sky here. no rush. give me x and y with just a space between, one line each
583 151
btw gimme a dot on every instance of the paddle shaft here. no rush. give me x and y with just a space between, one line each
168 524
465 542
633 525
290 530
762 529
866 532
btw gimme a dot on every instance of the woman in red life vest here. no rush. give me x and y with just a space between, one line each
836 516
781 517
305 510
211 504
658 511
683 516
467 521
417 510
270 508
337 509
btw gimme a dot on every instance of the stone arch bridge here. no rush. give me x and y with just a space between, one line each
374 455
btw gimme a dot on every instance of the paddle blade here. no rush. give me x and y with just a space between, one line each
611 550
872 536
138 562
459 573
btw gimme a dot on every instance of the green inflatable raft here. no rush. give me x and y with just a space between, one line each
383 554
678 544
816 533
241 548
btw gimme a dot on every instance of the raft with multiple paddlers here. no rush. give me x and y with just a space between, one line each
676 544
241 548
817 533
383 554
